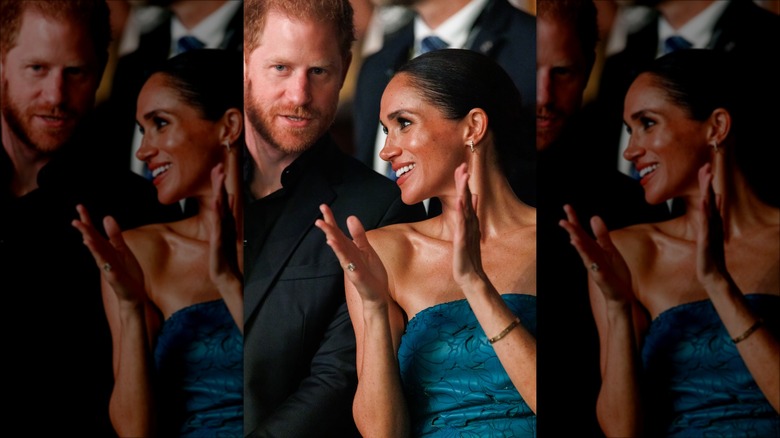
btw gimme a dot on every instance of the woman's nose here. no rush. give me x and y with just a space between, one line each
389 150
146 151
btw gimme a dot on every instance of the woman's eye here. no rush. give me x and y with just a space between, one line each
647 123
404 123
384 129
160 123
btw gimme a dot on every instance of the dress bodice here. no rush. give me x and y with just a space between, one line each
453 381
697 383
199 362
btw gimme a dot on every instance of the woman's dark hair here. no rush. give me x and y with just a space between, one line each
698 80
457 81
701 81
210 80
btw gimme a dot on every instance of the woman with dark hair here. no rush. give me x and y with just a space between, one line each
444 310
688 309
173 291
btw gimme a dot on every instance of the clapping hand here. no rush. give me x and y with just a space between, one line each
224 259
116 261
710 252
362 265
604 262
467 256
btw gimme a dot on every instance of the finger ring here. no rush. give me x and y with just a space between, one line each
106 267
594 267
351 267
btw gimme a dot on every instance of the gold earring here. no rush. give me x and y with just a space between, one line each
471 146
715 146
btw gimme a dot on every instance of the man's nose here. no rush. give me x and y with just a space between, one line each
54 89
543 84
299 89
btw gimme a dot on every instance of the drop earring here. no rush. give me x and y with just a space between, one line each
715 147
471 146
227 146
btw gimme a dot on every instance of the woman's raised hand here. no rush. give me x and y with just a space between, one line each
361 263
117 263
710 252
223 251
604 262
466 253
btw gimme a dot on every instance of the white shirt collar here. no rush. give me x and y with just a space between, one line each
210 31
454 30
698 31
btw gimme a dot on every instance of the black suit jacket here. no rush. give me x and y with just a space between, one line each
746 31
299 345
117 115
502 32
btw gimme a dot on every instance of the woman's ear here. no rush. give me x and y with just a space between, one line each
476 125
719 126
232 123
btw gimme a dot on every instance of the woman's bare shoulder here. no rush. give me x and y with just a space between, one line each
148 242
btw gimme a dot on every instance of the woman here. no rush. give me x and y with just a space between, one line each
444 310
697 296
172 291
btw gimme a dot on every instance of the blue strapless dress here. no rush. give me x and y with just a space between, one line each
453 381
697 383
200 373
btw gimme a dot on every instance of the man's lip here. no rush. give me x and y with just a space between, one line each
53 120
296 120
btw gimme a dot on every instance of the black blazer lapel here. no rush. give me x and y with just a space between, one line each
295 222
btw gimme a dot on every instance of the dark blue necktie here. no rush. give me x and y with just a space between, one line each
431 43
187 43
675 43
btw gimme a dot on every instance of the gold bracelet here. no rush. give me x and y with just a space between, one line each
508 329
749 331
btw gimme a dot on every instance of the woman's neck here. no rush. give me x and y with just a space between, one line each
740 207
497 205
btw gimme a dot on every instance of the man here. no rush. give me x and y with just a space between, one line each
567 34
52 56
299 346
492 27
190 24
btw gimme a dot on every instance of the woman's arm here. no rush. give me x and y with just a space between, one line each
132 407
516 348
379 406
128 311
758 347
225 246
617 315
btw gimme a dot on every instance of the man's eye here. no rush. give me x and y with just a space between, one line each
318 71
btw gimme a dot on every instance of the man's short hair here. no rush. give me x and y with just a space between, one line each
93 14
581 14
334 12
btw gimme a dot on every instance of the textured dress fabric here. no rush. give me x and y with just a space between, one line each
453 382
697 383
200 374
